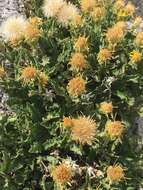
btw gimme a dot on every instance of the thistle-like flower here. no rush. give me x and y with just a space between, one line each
114 35
67 14
43 79
76 86
106 107
87 5
12 28
62 174
114 129
97 13
78 62
135 56
83 130
81 43
104 55
52 8
28 73
67 122
115 173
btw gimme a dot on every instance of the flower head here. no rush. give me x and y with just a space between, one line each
2 73
12 28
76 86
62 174
106 107
139 39
97 13
119 4
52 8
43 79
138 20
35 21
67 14
81 43
78 62
28 73
129 9
135 56
104 55
83 130
114 35
67 122
77 20
122 25
87 5
31 32
115 173
114 129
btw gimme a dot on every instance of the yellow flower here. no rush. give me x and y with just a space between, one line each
13 28
106 107
31 32
35 21
52 8
139 39
137 22
97 13
76 86
129 9
87 5
2 73
122 25
78 62
77 20
114 35
62 174
119 4
83 130
28 73
43 79
114 129
104 55
67 122
81 43
67 14
135 56
115 173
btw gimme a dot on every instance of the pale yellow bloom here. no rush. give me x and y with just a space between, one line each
104 55
139 39
76 86
78 62
115 173
135 56
106 107
83 130
87 5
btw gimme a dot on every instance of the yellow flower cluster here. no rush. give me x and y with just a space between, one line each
16 29
65 13
123 10
135 56
62 174
87 5
106 107
104 55
76 86
81 44
139 39
78 62
97 13
114 35
83 129
115 173
30 73
114 129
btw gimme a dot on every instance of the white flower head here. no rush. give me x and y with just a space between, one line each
51 8
67 14
13 27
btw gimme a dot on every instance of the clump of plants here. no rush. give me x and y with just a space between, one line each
73 75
